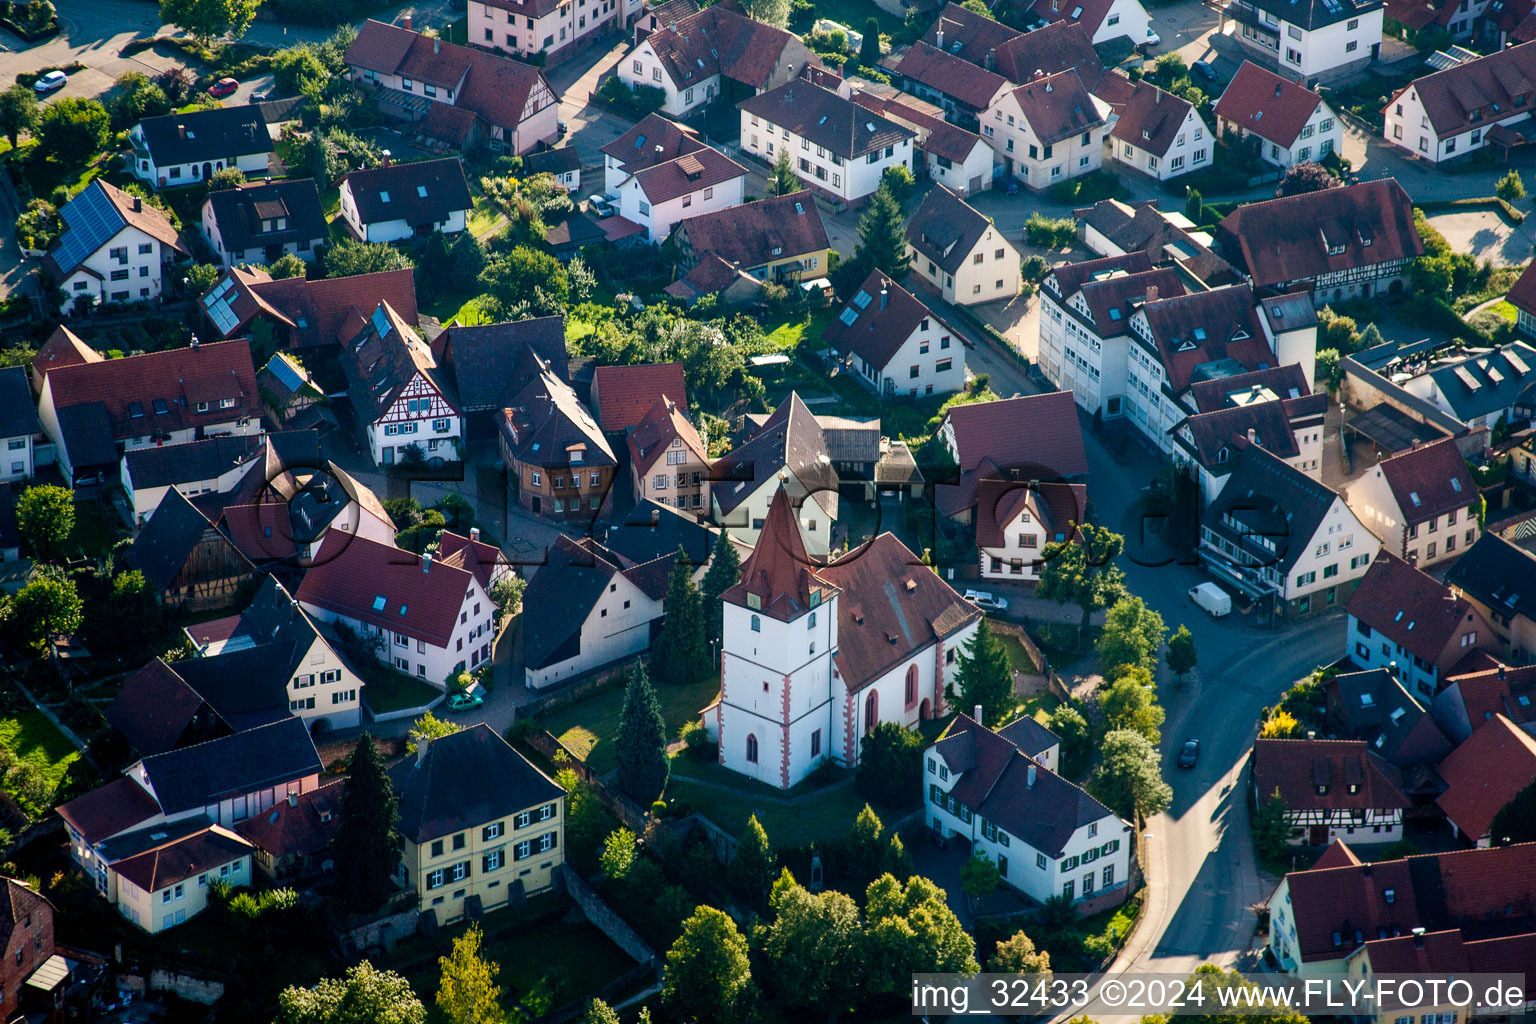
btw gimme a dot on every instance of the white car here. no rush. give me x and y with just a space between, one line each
986 599
602 206
1153 39
49 82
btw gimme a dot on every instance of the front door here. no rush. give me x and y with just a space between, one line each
1317 835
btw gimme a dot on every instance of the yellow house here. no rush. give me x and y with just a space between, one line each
479 822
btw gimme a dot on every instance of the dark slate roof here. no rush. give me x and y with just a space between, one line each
260 758
18 414
382 360
162 547
748 235
248 687
222 133
560 597
434 801
946 229
879 319
1273 500
489 363
1375 708
1029 735
172 464
424 192
552 161
652 530
995 784
241 211
548 422
1490 382
791 438
154 708
826 119
1315 14
1498 574
10 533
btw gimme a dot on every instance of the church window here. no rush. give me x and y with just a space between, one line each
911 686
757 624
871 710
752 749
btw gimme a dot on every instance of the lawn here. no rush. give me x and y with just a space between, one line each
588 727
33 738
484 218
96 530
788 333
1505 310
388 690
461 306
853 13
819 813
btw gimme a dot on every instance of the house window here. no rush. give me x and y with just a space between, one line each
751 749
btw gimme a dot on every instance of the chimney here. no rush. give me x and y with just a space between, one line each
976 714
1039 74
1152 293
181 130
406 23
1418 443
474 533
138 204
1253 436
293 799
1278 87
938 39
1029 779
991 59
421 749
1418 937
885 296
426 562
1501 671
437 44
1157 96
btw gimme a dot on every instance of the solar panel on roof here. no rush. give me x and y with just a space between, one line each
91 220
222 316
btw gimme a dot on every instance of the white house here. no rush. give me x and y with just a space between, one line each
1047 130
1159 134
19 425
429 619
159 877
1333 790
960 252
1452 112
840 150
564 163
1046 835
1422 503
402 201
788 452
1017 520
1103 20
401 396
813 657
895 344
545 28
179 149
1292 123
262 223
114 248
1272 408
1328 41
958 159
214 465
660 195
588 607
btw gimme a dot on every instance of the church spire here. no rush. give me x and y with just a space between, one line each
779 576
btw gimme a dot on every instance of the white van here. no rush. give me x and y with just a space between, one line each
1212 598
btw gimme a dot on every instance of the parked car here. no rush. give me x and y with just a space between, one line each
223 87
1206 70
1212 598
602 206
560 129
49 82
1153 39
986 599
472 697
1190 754
261 97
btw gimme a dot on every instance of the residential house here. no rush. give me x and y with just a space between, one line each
1355 241
291 395
718 51
1284 539
1374 706
1319 41
1048 130
115 247
183 148
464 96
1046 835
653 530
1103 20
658 14
666 192
484 561
544 30
157 710
185 559
668 462
1481 389
653 140
895 344
847 645
624 395
788 452
564 163
26 946
1319 918
469 848
95 411
963 90
958 251
1032 437
403 201
1462 108
1085 316
303 314
973 37
431 619
1449 953
562 463
958 159
1292 123
1159 134
1113 228
712 275
490 363
840 149
63 348
262 223
1422 503
401 397
292 840
1273 408
158 877
588 608
1483 774
1470 699
1016 521
779 239
1495 575
19 426
214 465
1333 790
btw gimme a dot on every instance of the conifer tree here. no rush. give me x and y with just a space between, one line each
642 740
681 654
782 179
724 572
984 677
367 843
882 235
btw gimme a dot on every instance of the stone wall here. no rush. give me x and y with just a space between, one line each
605 918
204 991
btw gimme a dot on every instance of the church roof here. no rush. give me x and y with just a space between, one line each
779 577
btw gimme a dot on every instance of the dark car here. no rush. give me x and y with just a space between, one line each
1206 70
561 128
1189 754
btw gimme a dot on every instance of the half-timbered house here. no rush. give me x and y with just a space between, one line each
1333 789
402 399
190 564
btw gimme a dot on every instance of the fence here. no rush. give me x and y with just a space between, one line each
630 814
394 716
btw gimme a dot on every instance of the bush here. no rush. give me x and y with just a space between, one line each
898 178
1034 268
642 100
1048 232
38 226
1510 187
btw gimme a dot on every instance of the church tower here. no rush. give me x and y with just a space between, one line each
780 635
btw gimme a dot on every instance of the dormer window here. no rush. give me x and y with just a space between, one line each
1322 789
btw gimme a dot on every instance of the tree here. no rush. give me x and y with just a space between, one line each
642 742
1129 777
681 654
1307 176
897 860
207 20
349 257
979 878
1181 656
619 852
909 930
366 996
1510 187
782 179
133 611
37 227
983 677
429 727
1194 206
1017 955
1129 703
1271 830
525 275
599 1012
507 594
724 572
978 7
177 83
869 49
201 277
891 765
73 130
1133 634
707 969
751 869
367 846
1281 724
864 849
1083 572
882 235
1071 728
45 515
899 178
813 949
467 992
19 112
287 265
48 606
769 12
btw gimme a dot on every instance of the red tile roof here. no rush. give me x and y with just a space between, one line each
1030 433
888 316
1498 690
154 708
64 348
1191 331
1484 773
624 394
1337 855
1060 508
1112 299
1450 952
327 311
825 118
654 139
1056 47
108 810
1522 295
1283 381
1088 13
721 40
1429 481
749 234
1058 106
704 169
968 34
1411 608
421 600
301 829
653 435
473 555
945 73
1150 118
778 578
1488 84
1271 107
178 861
1326 775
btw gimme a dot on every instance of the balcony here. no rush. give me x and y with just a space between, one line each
1243 14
